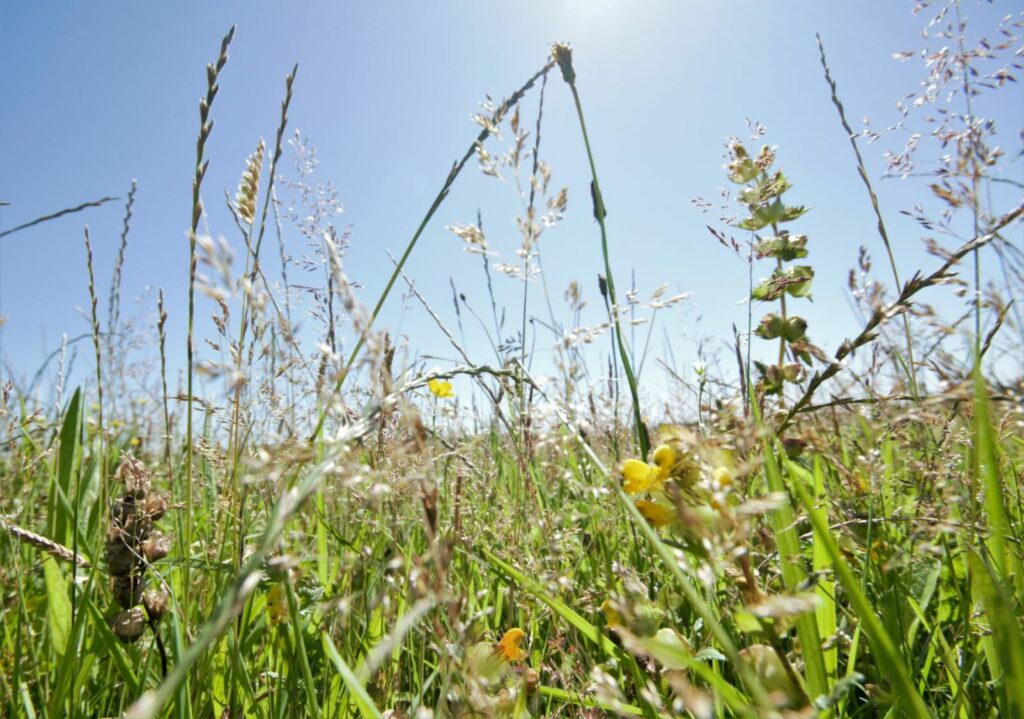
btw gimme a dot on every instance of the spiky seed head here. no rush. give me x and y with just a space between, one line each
248 186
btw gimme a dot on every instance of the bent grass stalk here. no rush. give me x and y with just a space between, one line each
911 369
563 55
505 106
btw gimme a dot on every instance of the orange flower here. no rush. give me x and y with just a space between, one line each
508 647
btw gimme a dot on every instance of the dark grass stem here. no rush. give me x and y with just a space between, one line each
498 115
114 307
93 301
55 215
563 54
882 231
161 326
901 305
205 128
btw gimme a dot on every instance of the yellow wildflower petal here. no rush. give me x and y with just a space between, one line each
441 388
508 647
611 616
639 476
657 514
277 603
722 477
664 458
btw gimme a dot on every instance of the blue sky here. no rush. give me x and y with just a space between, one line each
96 94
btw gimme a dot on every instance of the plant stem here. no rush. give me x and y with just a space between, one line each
599 212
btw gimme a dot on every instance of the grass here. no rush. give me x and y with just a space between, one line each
787 555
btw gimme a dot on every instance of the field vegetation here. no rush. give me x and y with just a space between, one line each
822 531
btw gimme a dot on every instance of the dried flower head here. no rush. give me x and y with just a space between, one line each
156 602
561 53
129 625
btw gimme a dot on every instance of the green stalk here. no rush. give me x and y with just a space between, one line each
563 55
441 195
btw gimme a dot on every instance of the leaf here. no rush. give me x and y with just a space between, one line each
69 439
785 247
797 280
791 213
58 606
356 689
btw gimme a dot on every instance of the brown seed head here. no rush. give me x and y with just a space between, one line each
128 589
155 506
156 602
129 625
562 54
134 475
156 546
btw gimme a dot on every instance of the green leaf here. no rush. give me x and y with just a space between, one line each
884 650
69 440
784 246
58 606
797 280
791 213
356 689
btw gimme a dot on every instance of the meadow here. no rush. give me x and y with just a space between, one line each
826 532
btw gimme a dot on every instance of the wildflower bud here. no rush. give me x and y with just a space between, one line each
129 625
157 546
128 589
532 680
156 602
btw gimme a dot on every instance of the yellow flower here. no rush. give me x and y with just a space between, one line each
641 476
657 514
508 647
611 616
441 388
277 603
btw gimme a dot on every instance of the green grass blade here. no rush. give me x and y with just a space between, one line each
792 561
882 644
356 689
